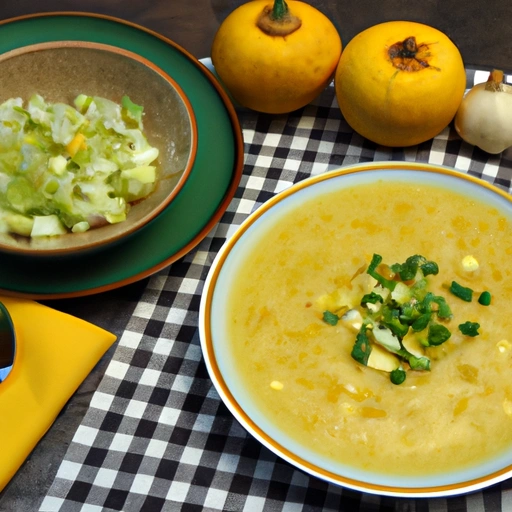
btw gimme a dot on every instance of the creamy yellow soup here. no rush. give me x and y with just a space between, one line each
299 369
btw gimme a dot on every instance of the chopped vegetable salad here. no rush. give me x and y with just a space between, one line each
70 168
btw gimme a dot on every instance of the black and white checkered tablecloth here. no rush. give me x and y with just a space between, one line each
157 437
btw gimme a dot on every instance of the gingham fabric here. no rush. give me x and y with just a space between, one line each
157 436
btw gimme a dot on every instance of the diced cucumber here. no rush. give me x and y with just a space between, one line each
81 227
51 186
19 224
74 163
57 164
47 225
114 218
142 173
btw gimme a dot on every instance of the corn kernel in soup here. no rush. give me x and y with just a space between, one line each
456 415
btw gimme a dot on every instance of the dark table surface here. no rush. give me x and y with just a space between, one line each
482 34
481 31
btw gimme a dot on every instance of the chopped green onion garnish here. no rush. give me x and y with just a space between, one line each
461 292
398 376
430 268
409 269
391 319
330 318
437 334
444 310
386 283
372 298
408 312
485 298
469 329
362 348
421 323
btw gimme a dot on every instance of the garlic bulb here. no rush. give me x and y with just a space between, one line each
484 117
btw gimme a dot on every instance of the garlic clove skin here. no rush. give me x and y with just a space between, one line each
484 119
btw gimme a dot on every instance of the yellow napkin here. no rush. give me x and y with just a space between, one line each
54 353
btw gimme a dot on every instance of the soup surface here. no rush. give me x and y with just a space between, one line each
299 369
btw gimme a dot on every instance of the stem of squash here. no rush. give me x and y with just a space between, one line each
280 10
278 21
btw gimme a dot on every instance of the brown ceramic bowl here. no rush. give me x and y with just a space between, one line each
59 71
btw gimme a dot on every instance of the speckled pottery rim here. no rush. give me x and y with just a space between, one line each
213 334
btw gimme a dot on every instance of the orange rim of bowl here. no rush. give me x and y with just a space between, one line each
239 412
184 176
238 164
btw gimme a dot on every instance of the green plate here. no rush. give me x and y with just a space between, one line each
196 209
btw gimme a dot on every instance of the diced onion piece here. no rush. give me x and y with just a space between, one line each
353 319
19 224
383 360
503 346
402 293
470 263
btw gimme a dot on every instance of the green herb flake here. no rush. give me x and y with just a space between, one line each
416 363
469 329
443 310
398 376
371 298
362 347
391 319
461 292
437 334
410 312
407 271
421 322
485 299
330 318
419 363
430 268
372 271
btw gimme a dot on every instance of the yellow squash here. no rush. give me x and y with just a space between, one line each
276 57
400 83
